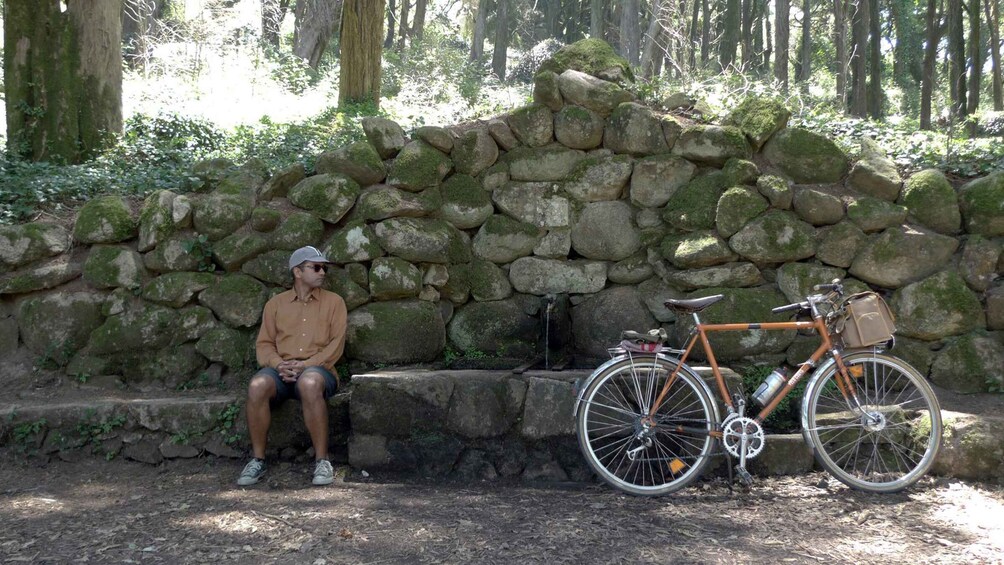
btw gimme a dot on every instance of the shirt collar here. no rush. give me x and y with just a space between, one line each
311 297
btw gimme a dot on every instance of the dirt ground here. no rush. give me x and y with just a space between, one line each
190 511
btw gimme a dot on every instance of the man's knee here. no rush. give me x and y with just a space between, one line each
261 387
311 383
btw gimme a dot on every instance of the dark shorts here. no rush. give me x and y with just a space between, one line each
284 391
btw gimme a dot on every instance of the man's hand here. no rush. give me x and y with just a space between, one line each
290 371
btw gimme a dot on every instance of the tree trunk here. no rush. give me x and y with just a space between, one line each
730 33
552 17
933 24
805 49
361 35
651 45
388 42
316 21
991 10
957 59
874 61
746 33
597 18
705 33
501 39
768 37
418 25
693 39
572 25
840 44
859 60
759 13
402 24
62 77
478 43
138 18
907 51
975 63
630 30
272 13
781 42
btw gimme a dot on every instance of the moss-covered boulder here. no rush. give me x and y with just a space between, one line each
359 161
485 280
936 307
176 254
156 219
170 368
817 207
599 178
546 91
978 266
232 347
696 250
404 331
532 275
500 131
740 305
106 219
341 283
245 180
796 280
759 118
236 299
931 201
776 190
593 56
590 92
356 241
634 129
532 125
693 206
211 171
741 171
193 323
556 244
982 204
278 185
297 230
712 145
265 220
141 326
775 237
503 239
805 156
177 289
875 173
655 179
606 231
475 151
838 244
538 203
578 128
113 266
22 244
465 204
995 308
438 137
972 449
217 215
733 275
492 327
422 240
381 202
631 270
551 163
59 324
916 352
270 267
47 275
971 363
654 293
328 196
873 214
385 135
419 166
902 255
600 319
391 278
238 248
736 207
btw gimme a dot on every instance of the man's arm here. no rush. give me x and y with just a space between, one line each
265 349
333 351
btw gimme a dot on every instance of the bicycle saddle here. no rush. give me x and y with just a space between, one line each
694 304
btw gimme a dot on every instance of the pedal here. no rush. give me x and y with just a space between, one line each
744 476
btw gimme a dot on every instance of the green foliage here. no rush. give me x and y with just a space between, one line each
226 423
26 432
202 250
91 429
55 356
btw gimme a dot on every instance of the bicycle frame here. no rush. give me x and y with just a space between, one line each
701 331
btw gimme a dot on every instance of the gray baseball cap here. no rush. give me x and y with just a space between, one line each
307 253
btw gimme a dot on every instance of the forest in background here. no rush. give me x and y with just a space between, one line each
269 78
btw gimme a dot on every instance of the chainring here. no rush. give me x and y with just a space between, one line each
733 429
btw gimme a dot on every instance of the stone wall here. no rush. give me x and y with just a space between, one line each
447 240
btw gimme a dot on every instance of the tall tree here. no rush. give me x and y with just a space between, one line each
362 48
272 14
693 35
874 61
956 58
402 24
783 8
501 39
932 23
597 18
859 60
840 8
630 30
388 41
975 63
907 51
480 30
705 32
652 34
805 45
746 32
991 10
730 32
760 61
62 77
316 21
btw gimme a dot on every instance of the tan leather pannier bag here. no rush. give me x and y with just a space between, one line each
867 320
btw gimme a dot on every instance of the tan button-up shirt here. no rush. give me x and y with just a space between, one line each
312 331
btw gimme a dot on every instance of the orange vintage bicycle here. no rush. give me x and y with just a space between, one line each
648 424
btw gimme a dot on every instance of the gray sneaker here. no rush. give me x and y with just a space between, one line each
252 472
323 473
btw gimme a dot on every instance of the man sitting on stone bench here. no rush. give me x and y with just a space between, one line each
302 335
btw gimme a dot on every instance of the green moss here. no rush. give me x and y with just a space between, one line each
364 154
693 206
176 289
105 219
464 190
265 220
329 196
982 203
299 229
592 56
741 171
759 117
111 266
418 166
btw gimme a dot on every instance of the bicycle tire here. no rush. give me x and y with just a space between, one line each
888 447
609 418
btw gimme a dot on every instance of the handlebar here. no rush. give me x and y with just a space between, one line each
834 286
789 307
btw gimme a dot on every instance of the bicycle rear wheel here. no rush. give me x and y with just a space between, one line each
891 441
640 457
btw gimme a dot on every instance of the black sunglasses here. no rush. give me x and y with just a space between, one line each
317 268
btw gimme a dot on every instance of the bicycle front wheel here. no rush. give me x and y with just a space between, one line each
888 442
635 453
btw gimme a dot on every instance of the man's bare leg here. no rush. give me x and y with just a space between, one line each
310 385
260 390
